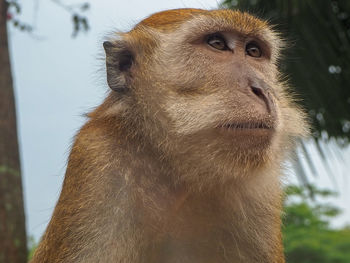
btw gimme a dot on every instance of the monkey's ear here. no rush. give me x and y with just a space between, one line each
119 60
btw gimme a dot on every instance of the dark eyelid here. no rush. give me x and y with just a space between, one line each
255 44
262 44
207 37
219 35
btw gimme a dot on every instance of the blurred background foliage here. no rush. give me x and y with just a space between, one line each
307 235
318 57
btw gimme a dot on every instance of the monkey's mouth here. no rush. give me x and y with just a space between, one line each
247 126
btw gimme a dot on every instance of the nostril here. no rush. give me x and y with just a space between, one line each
258 92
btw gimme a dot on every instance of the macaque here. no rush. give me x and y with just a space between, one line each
182 162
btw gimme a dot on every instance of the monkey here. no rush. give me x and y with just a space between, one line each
183 161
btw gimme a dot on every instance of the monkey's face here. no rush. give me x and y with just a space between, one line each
211 92
222 87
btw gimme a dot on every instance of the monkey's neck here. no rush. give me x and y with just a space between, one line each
240 219
237 220
234 220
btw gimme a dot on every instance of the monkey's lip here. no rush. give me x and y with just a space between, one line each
247 126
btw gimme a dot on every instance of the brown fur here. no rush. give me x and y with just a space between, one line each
153 176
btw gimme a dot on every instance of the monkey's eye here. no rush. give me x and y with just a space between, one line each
252 49
217 42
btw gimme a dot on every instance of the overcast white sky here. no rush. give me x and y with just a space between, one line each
58 79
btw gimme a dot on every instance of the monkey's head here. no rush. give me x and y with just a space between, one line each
203 88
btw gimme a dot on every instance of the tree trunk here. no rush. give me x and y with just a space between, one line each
13 245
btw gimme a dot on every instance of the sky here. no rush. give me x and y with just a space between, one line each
58 79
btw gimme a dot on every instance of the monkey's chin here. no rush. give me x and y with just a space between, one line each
248 141
248 137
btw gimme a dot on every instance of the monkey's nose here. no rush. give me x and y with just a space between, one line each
263 95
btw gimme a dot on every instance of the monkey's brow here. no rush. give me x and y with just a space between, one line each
203 24
199 35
